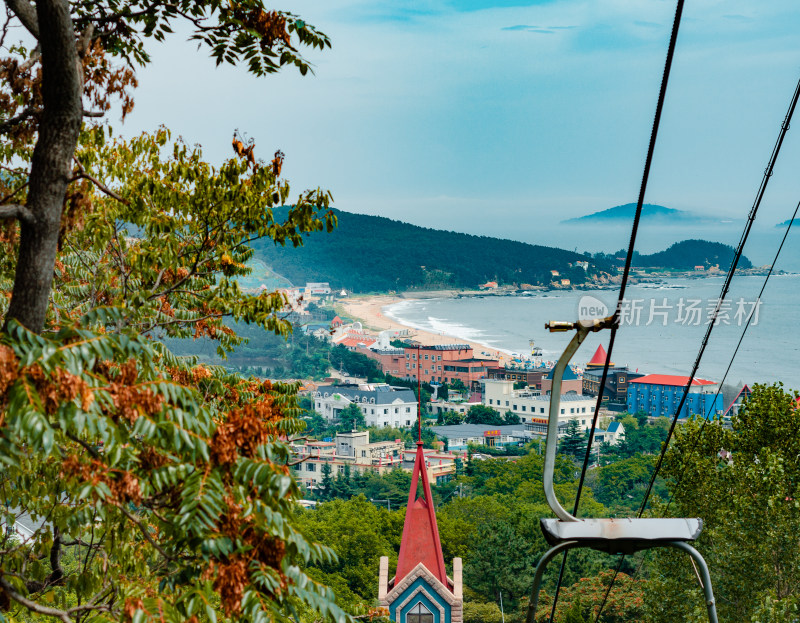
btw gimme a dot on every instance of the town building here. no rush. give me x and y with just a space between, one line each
382 405
445 363
531 378
616 387
348 449
570 382
391 360
421 591
436 407
317 288
460 436
533 408
659 395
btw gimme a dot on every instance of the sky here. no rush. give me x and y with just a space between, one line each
503 118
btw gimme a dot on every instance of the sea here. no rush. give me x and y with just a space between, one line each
663 325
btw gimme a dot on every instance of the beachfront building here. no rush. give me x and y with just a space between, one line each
391 360
382 405
533 408
659 395
317 288
460 436
445 363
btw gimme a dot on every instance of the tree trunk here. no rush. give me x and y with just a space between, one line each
51 164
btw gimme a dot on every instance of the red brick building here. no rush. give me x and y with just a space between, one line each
444 363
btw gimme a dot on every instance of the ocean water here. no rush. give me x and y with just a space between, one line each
663 326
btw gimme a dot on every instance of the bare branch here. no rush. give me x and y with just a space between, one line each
26 14
17 211
32 605
93 113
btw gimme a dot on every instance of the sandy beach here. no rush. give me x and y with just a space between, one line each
369 311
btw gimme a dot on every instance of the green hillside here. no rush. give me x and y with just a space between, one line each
373 253
687 254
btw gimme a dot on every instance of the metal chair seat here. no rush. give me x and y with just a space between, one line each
621 535
613 536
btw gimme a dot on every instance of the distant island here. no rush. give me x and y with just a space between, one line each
787 221
627 211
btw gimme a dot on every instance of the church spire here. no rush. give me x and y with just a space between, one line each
420 542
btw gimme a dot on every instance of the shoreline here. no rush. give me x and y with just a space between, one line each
369 311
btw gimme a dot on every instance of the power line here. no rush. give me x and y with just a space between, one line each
712 323
625 273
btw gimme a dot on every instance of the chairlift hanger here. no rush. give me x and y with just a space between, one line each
613 536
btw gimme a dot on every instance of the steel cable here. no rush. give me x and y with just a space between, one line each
625 273
712 323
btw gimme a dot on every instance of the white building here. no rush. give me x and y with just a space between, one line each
318 289
613 435
533 409
381 404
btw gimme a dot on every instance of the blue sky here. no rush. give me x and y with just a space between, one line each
502 117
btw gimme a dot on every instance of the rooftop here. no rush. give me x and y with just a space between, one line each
565 398
670 379
383 394
569 374
443 347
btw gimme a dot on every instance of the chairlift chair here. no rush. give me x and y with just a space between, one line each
613 536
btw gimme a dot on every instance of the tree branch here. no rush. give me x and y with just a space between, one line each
32 605
17 211
26 14
144 532
82 174
5 126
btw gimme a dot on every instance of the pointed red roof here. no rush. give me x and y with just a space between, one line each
599 358
420 543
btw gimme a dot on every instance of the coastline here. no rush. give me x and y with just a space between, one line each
369 311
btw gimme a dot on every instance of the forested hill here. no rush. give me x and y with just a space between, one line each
687 254
373 253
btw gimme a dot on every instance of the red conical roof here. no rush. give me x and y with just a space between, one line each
420 543
599 358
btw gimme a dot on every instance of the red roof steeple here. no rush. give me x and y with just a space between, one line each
599 359
420 543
